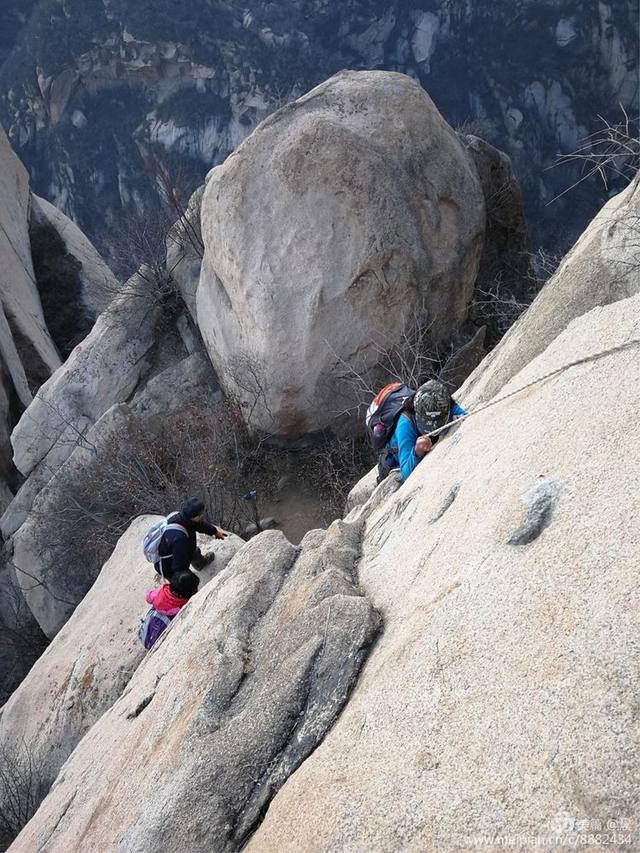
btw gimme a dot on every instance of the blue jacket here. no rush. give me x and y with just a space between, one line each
404 437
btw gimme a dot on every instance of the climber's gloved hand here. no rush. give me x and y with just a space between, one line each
220 533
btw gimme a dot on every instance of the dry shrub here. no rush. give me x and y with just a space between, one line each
23 786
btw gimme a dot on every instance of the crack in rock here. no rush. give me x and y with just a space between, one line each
446 503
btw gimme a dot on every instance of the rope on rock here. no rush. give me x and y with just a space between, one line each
593 357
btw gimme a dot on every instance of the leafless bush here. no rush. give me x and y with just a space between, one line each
23 786
138 241
416 356
612 151
338 465
496 307
481 127
151 468
21 639
543 265
243 372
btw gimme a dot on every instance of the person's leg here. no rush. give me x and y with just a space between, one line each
199 561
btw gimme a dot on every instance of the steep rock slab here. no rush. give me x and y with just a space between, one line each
246 683
99 285
37 355
341 215
501 699
185 250
602 267
91 660
102 370
55 557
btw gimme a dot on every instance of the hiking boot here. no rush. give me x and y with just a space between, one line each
200 561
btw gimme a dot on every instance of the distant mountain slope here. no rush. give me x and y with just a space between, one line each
94 88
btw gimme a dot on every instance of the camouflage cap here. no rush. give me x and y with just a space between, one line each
432 404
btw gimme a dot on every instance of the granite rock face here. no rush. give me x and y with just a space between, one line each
340 217
55 572
602 267
230 701
89 663
500 699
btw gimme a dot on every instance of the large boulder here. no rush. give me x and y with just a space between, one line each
89 663
602 267
343 215
227 705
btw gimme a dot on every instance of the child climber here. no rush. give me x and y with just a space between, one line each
166 602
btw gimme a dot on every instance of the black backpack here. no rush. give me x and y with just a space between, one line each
381 420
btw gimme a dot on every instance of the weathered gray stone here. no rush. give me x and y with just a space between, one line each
231 700
602 267
500 699
506 246
185 250
90 661
102 370
21 638
342 215
99 285
28 351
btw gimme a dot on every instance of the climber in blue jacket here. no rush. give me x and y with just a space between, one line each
431 408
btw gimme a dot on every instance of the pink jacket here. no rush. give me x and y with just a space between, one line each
164 601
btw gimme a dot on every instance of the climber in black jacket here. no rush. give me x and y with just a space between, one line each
178 547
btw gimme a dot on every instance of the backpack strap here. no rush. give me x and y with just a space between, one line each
173 526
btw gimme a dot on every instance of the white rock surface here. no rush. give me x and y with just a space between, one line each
99 285
185 250
35 356
90 661
603 266
102 370
500 699
234 696
326 229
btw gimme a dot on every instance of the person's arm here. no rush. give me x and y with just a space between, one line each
209 529
406 435
151 595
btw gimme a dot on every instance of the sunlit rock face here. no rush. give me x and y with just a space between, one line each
339 217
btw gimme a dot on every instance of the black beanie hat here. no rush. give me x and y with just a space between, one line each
184 584
192 507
